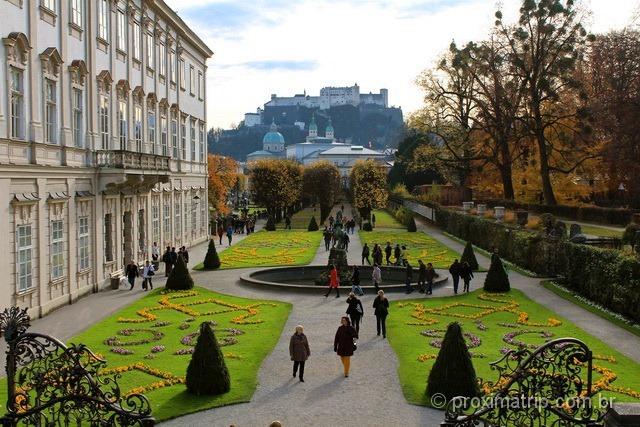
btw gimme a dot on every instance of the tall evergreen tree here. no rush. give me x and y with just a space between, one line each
179 279
211 259
207 373
313 225
452 373
497 279
411 226
469 256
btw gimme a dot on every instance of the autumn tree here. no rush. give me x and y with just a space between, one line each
223 177
321 183
544 49
368 181
275 184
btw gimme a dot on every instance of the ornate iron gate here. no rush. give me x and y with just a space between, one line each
50 384
545 387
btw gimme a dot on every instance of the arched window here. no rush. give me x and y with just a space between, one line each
51 61
123 114
151 123
138 133
104 101
78 72
16 49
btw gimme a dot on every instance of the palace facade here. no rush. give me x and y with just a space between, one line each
102 143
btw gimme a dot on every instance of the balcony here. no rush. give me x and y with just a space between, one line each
123 171
123 159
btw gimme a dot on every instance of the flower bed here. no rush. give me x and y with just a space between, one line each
493 325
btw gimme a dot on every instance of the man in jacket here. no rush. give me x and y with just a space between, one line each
131 272
430 275
409 277
454 270
365 254
422 276
387 252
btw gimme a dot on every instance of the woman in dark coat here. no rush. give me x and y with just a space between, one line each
355 310
381 310
466 272
299 351
343 343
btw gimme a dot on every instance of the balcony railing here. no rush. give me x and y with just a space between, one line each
123 159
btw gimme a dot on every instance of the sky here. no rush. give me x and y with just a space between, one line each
285 47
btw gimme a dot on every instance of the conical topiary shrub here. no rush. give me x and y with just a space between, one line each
469 256
452 373
211 259
497 279
271 224
207 373
411 225
179 279
313 225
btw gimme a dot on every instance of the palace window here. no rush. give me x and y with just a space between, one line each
202 139
177 208
103 19
172 66
192 80
123 130
155 221
150 51
204 221
76 12
57 249
151 127
50 111
49 4
194 215
193 140
163 59
17 103
163 130
108 238
78 114
183 138
183 73
174 134
103 119
167 221
83 243
186 214
200 84
24 257
136 41
122 30
137 126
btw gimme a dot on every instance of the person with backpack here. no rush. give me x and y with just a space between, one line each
299 351
355 311
230 234
334 282
344 343
132 272
455 270
355 281
376 277
430 275
147 274
381 311
467 274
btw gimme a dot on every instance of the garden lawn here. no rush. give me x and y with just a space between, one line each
300 220
272 248
594 230
261 323
419 246
384 219
407 320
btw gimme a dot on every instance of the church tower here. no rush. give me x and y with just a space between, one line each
313 127
328 133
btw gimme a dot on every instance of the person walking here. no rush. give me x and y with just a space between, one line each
230 234
147 274
376 277
373 220
365 254
345 241
132 272
299 351
381 311
467 274
155 252
403 255
355 310
287 222
454 270
397 253
343 343
327 238
387 252
220 231
422 276
174 258
408 277
430 275
166 258
355 281
334 282
185 254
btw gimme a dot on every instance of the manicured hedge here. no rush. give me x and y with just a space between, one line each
577 213
602 275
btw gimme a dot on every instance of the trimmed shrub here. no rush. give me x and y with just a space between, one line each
271 224
469 256
179 279
411 226
211 259
366 226
207 373
497 279
629 236
452 373
313 225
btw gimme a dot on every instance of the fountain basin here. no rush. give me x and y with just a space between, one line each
301 279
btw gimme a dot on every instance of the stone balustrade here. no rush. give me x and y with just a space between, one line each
123 159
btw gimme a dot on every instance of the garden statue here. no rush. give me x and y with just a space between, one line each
575 234
338 235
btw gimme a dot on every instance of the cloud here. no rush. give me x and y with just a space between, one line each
276 64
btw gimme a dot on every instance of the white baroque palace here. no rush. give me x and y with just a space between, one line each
102 143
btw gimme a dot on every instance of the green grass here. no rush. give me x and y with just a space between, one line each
561 292
419 246
271 249
384 219
409 344
300 220
252 347
594 230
